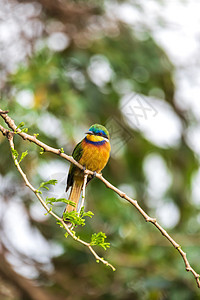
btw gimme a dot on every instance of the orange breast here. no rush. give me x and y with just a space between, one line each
95 157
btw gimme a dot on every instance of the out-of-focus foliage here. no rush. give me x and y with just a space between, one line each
59 93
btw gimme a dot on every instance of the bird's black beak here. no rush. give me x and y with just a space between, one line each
89 132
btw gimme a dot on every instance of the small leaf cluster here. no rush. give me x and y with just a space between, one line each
16 154
23 155
44 184
98 239
20 126
42 150
76 218
52 200
73 217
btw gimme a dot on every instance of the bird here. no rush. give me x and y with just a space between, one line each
92 153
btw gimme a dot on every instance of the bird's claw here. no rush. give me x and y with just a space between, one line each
94 174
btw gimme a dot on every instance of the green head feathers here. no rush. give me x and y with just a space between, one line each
100 130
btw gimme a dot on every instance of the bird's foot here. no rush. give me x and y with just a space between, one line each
94 174
68 223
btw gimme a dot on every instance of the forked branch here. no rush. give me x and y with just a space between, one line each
47 148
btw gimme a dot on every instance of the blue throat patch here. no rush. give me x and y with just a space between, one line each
95 143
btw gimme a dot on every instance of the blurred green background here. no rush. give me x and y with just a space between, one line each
66 65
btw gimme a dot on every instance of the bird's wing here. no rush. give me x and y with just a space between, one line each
76 154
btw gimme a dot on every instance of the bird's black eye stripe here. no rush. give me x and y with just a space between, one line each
101 134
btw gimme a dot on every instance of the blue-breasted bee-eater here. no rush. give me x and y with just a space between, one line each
93 153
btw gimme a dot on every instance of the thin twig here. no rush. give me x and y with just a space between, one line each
33 139
47 148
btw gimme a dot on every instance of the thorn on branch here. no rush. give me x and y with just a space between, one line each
188 269
25 137
123 195
151 220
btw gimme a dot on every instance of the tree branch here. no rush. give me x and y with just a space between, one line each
36 192
47 148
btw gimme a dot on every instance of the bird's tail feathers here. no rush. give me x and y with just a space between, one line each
75 194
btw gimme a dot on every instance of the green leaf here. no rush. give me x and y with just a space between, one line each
39 192
85 214
60 224
70 203
61 150
98 239
73 232
42 150
74 218
14 153
51 181
50 200
24 130
20 125
64 200
23 155
88 214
